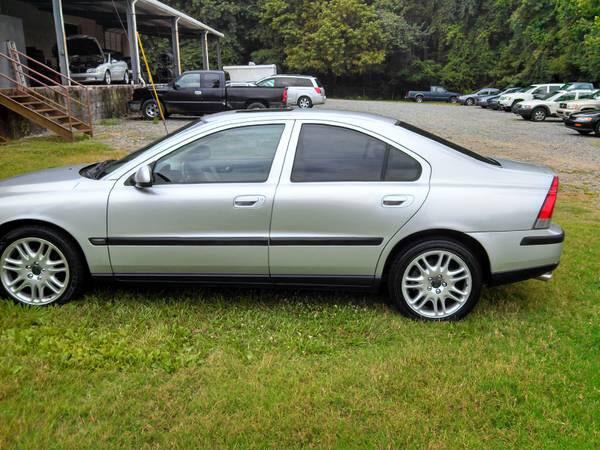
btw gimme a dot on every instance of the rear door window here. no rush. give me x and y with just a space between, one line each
210 81
327 153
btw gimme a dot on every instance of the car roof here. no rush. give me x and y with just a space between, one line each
298 114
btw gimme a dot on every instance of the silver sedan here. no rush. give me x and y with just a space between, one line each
303 198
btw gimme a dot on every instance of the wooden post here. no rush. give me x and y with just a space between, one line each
61 41
134 51
175 45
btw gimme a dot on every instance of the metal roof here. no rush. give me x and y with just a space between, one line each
153 17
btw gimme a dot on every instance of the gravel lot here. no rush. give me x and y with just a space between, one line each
576 158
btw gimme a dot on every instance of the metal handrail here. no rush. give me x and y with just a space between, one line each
29 58
56 83
55 87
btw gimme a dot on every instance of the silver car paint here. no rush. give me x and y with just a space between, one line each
495 205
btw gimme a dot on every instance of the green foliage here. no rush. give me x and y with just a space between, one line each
404 43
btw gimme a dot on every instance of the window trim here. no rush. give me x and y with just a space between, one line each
388 149
281 136
125 173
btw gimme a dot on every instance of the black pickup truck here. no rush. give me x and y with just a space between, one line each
204 92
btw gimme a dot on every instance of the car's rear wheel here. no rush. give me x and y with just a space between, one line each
40 266
435 279
305 102
107 77
419 99
256 105
538 115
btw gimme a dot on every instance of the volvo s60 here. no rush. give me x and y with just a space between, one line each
302 198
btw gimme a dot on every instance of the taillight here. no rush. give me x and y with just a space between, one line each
284 98
318 90
545 216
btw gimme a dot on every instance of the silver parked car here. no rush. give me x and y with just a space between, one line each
317 198
304 91
89 63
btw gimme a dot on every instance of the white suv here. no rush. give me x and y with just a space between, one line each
538 109
508 101
303 91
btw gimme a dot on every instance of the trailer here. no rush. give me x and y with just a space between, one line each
250 73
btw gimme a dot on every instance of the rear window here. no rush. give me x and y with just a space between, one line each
318 83
303 82
452 145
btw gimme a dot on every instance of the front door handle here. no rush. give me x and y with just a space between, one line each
249 201
396 201
197 92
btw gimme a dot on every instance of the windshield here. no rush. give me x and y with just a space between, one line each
530 88
101 169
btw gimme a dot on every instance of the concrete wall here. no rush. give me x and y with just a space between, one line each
11 29
106 101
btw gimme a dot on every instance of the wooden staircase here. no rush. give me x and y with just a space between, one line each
52 105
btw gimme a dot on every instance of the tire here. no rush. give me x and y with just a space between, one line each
538 114
126 77
256 105
514 104
150 110
305 102
48 245
419 99
469 102
107 78
453 100
436 291
597 129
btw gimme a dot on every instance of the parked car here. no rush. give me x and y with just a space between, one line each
434 93
565 109
361 201
89 64
303 91
203 92
470 99
538 109
584 122
484 100
578 86
508 101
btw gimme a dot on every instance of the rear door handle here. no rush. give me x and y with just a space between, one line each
248 201
396 201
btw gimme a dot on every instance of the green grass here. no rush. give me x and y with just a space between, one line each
126 367
110 121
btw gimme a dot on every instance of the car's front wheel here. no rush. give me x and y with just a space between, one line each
470 102
597 129
419 99
435 279
538 115
150 110
40 266
126 78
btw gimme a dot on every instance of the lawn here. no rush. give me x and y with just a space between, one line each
128 367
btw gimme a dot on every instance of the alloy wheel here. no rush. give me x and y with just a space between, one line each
436 284
34 271
152 110
304 103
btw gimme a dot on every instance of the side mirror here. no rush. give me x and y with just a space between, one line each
143 177
175 85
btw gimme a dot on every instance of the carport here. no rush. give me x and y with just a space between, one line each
121 17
